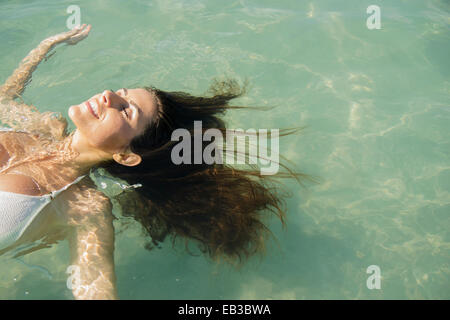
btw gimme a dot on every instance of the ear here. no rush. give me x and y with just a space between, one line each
129 159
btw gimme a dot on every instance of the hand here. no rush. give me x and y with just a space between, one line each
70 37
80 33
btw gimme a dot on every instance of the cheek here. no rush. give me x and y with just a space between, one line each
109 138
108 135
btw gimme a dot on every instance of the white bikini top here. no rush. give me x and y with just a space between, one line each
17 212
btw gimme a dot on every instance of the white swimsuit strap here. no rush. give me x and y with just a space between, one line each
55 193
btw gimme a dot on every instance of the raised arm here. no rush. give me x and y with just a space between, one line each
15 84
91 245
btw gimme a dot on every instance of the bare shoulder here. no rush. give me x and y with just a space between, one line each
28 118
19 137
17 142
83 203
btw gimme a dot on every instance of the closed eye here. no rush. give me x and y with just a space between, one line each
130 114
125 111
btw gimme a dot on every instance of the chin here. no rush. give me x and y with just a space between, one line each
75 116
72 111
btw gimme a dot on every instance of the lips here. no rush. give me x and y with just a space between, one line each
93 108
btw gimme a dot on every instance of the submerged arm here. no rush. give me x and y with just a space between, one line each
15 84
92 253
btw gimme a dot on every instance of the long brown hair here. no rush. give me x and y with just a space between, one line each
221 208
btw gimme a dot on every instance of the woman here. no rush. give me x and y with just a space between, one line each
46 193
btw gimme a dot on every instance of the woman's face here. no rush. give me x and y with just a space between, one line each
110 120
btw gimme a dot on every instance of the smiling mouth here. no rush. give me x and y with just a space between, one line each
93 108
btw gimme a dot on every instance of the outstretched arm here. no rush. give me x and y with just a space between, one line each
92 250
15 84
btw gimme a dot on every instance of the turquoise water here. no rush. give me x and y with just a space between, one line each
376 103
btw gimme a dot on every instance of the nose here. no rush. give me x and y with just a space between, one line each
111 99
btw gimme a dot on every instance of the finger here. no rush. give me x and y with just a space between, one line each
76 31
78 28
85 32
68 34
83 29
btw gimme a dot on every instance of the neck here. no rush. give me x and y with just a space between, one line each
84 157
